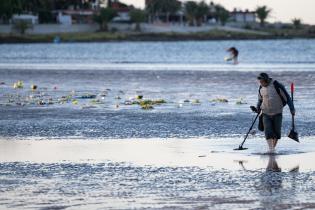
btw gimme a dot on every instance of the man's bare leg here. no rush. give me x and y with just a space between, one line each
270 145
275 141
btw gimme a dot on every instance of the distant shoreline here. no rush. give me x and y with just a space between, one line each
116 37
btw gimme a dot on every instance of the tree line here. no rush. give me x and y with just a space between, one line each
42 8
194 13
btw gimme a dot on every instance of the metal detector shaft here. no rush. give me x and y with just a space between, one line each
251 127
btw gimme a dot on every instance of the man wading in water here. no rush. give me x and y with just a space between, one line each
272 97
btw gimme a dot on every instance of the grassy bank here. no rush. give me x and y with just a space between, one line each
308 32
107 36
65 37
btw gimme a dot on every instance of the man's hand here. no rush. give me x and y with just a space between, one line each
254 109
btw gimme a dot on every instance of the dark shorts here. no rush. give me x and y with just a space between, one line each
272 125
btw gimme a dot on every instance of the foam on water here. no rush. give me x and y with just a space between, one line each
160 67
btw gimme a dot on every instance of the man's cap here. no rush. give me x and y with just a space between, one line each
263 76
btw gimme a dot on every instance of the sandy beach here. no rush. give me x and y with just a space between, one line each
155 173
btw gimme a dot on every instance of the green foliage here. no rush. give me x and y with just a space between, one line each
8 8
172 6
21 26
248 27
163 6
156 7
148 104
137 16
190 9
196 11
104 17
222 14
152 7
297 23
220 100
45 16
263 12
202 10
42 8
44 11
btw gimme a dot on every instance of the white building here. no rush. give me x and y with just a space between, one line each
97 4
28 18
122 17
240 16
64 19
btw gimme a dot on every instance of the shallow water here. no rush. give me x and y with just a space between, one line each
257 52
86 169
177 173
123 186
111 118
174 71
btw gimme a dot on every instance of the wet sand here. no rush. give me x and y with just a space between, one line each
202 152
156 173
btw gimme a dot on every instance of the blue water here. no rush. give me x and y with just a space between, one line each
174 71
266 52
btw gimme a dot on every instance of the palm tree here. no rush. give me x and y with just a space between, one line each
263 12
152 9
222 14
201 12
190 9
104 17
8 8
167 7
297 23
137 16
22 26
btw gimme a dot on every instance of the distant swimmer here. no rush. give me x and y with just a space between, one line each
233 55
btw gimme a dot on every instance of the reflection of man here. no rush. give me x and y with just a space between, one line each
272 164
271 167
270 179
269 184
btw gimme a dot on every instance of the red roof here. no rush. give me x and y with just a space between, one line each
120 7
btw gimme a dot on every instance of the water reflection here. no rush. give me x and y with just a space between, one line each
272 178
272 164
274 185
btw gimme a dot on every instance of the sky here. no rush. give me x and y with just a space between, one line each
282 10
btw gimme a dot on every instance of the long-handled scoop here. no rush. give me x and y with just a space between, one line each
293 133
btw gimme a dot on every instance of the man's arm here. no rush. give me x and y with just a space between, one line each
287 97
259 101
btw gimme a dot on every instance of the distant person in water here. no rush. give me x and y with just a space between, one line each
234 55
272 97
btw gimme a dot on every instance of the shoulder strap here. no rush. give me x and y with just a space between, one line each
259 90
277 87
